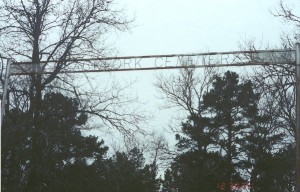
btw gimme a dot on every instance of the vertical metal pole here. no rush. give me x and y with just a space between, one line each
0 125
297 117
6 80
2 103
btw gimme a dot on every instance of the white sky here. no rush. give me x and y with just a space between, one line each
185 26
190 26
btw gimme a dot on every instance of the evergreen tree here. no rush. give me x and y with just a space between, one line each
33 164
230 105
195 171
64 160
231 143
271 165
196 168
210 145
126 172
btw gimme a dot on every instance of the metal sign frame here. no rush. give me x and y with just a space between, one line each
159 62
163 62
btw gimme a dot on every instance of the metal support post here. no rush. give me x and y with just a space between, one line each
297 117
5 87
2 103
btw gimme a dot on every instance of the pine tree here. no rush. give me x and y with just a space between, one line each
230 105
33 164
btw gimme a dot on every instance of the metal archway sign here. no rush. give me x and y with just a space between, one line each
164 62
157 62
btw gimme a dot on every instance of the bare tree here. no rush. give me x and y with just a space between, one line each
158 150
181 92
287 14
276 82
184 91
45 30
276 85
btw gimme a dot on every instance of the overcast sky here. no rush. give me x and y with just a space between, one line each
190 26
184 26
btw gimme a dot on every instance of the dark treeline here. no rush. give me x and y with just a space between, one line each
238 131
60 159
227 144
230 144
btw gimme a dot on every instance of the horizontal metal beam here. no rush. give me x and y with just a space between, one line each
158 56
164 68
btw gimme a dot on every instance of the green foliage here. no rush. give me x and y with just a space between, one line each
31 160
230 142
230 105
56 157
194 171
127 172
